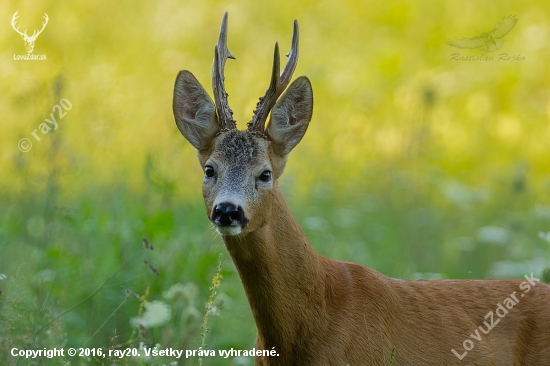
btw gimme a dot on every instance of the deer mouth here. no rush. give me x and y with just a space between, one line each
228 219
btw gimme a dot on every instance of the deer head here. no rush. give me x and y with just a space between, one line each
241 167
29 40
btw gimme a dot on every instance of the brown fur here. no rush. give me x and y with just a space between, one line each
318 311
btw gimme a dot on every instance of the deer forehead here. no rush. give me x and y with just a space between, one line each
244 149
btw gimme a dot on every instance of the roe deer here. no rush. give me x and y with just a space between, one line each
316 311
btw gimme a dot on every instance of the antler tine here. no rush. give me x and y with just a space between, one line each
36 31
221 54
277 85
13 20
44 23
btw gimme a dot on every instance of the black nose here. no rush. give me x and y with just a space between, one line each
227 213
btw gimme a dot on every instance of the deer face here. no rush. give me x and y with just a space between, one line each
238 179
241 168
29 42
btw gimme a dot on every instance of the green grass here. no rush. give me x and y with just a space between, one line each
76 275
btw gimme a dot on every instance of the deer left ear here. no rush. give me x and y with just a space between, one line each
290 116
194 111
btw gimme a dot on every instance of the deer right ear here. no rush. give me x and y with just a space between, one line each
194 111
290 116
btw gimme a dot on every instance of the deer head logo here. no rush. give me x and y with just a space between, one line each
29 40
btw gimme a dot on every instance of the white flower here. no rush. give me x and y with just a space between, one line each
493 235
156 313
544 236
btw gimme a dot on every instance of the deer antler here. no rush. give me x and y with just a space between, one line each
278 83
13 19
221 54
36 33
24 34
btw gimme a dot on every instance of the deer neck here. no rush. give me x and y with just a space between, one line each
281 274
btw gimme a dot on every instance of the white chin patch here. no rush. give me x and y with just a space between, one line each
229 230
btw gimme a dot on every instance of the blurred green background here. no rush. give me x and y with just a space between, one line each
414 164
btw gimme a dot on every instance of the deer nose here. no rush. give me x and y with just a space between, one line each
226 214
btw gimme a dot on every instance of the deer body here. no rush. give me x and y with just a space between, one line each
316 311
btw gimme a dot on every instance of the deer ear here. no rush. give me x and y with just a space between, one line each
194 111
290 116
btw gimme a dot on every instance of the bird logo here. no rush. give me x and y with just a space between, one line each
490 41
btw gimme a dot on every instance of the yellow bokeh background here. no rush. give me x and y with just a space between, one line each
385 87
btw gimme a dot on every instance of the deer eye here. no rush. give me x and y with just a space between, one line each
208 171
265 176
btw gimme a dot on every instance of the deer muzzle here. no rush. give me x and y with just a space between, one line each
229 219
